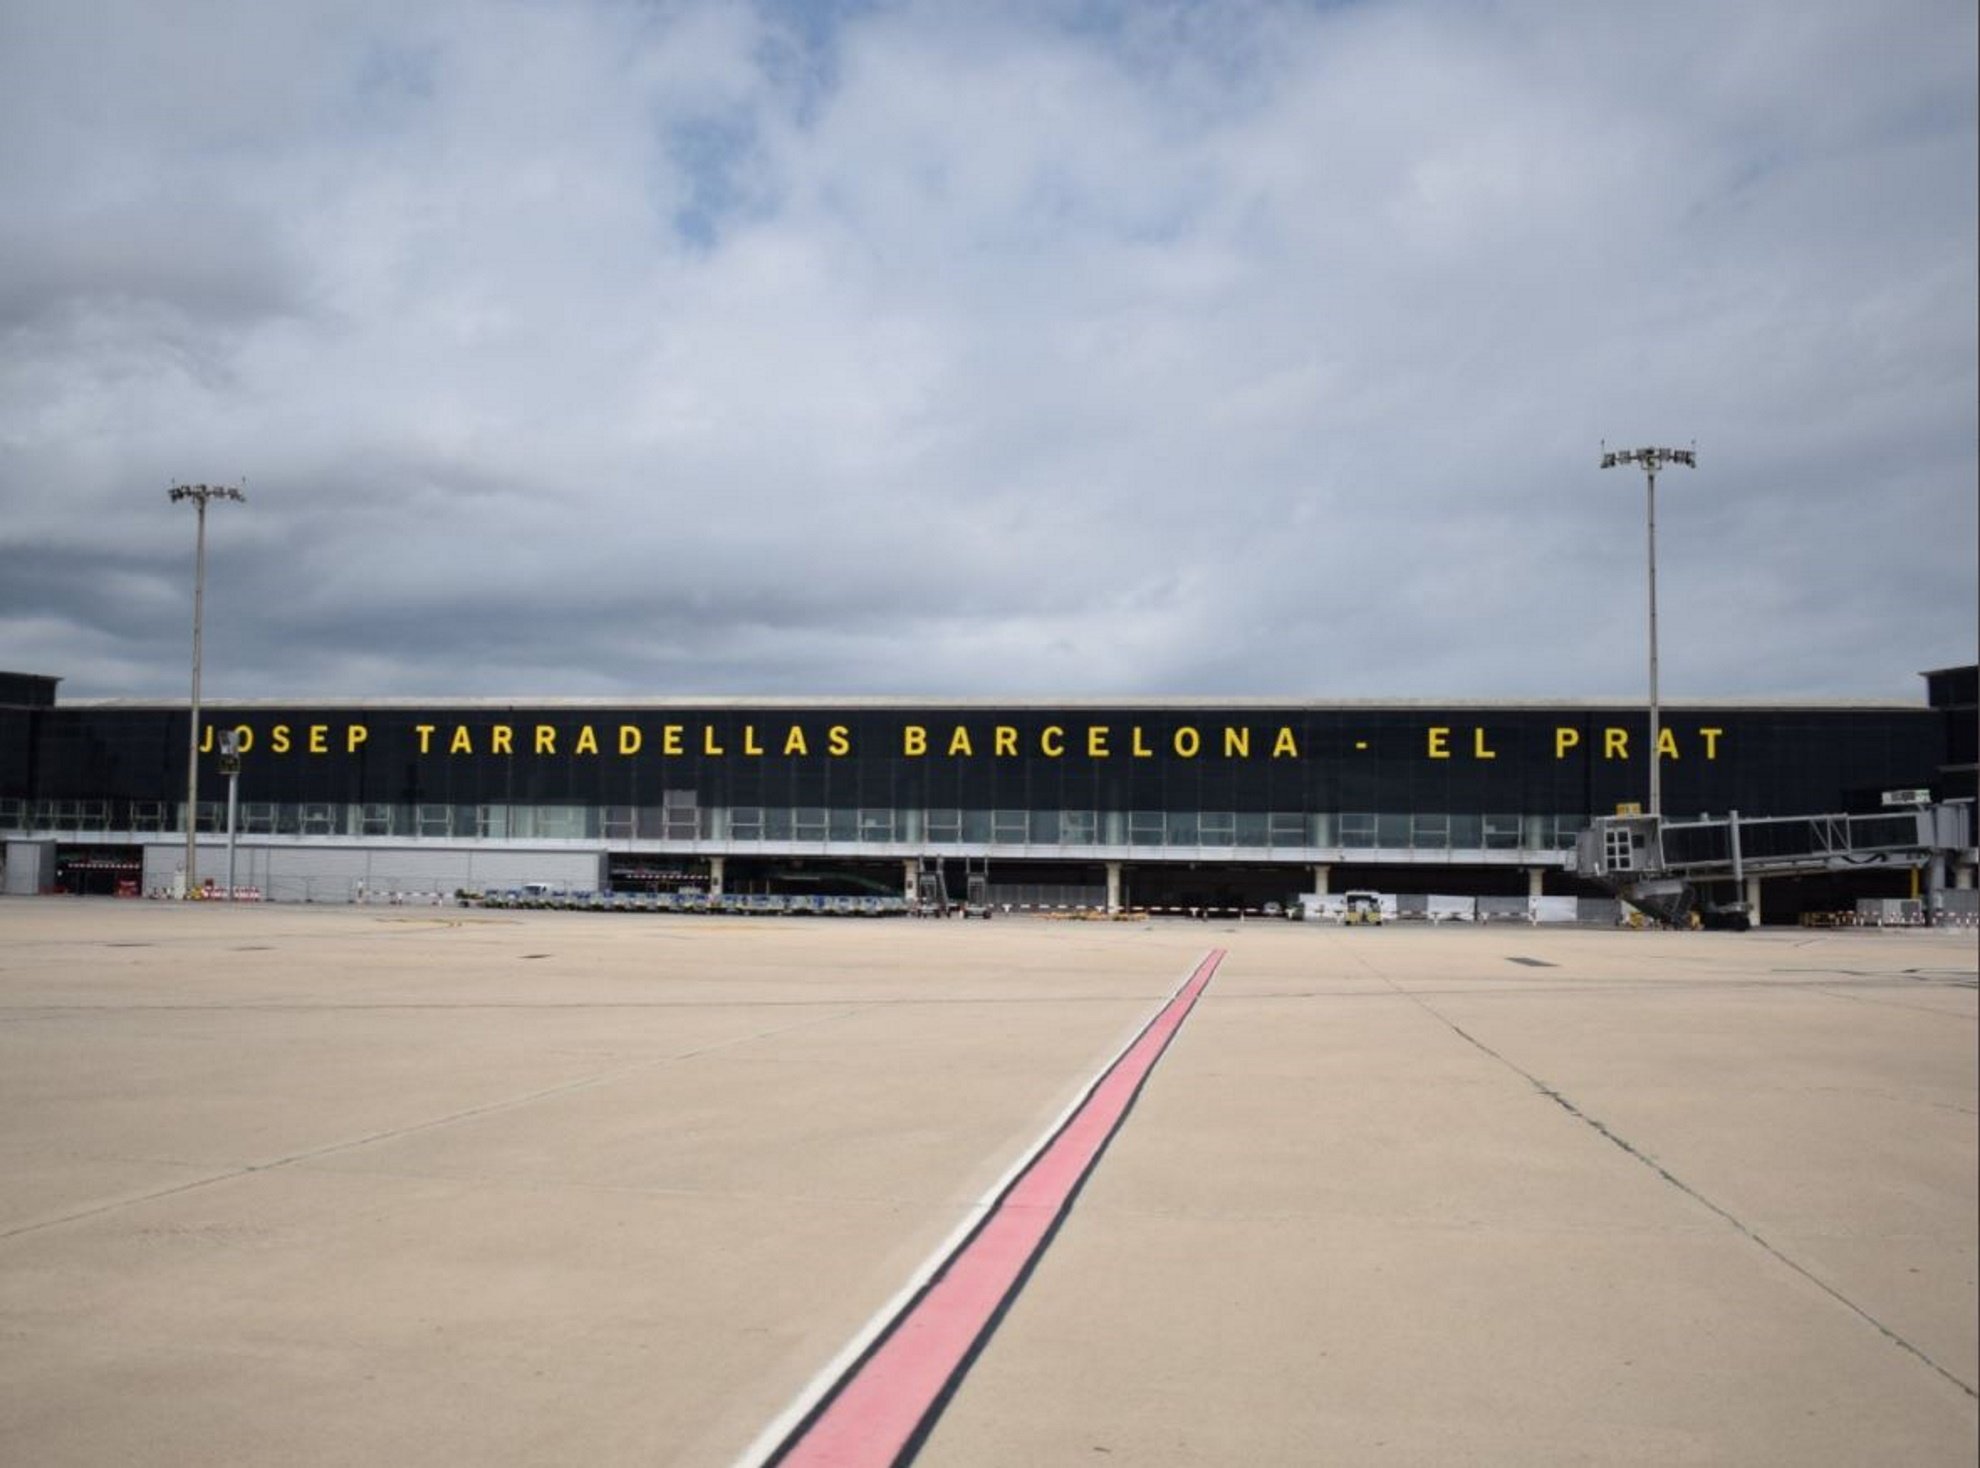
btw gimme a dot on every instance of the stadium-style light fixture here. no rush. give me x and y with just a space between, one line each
200 495
1650 461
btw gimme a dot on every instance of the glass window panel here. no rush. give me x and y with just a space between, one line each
778 823
1010 827
746 823
1218 828
1147 828
945 826
1253 829
876 824
1466 832
810 823
1078 827
258 817
1045 827
435 820
1183 829
1391 829
1357 828
1288 828
1430 831
1501 833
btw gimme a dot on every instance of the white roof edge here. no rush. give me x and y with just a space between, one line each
719 704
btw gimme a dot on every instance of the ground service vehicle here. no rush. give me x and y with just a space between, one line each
1361 907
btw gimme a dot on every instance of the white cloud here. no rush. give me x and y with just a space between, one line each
1257 348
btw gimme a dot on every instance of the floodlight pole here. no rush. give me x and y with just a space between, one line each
1651 460
199 494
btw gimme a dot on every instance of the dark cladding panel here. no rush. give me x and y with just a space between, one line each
1460 762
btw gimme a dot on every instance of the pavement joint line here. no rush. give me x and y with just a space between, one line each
351 1144
790 1437
1739 1225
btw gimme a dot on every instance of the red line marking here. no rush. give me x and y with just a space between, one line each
886 1404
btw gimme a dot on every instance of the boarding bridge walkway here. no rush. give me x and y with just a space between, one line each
1658 865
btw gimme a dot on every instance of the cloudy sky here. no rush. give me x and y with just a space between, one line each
625 347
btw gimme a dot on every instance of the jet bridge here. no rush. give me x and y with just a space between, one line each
1658 865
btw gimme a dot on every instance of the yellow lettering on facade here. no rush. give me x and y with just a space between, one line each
750 746
838 740
794 742
463 741
708 744
670 739
1565 738
354 735
587 740
546 738
1004 741
1285 746
243 739
1188 742
425 733
1440 742
1615 744
1478 749
206 739
1711 738
502 739
1237 743
914 741
1052 741
959 742
1096 741
1138 746
278 738
319 738
1667 744
629 739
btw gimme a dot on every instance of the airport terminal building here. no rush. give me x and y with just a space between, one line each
1115 804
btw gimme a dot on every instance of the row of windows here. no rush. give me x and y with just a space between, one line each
679 819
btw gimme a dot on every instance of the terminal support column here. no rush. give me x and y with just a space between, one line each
715 865
1322 873
1536 881
1113 886
1753 900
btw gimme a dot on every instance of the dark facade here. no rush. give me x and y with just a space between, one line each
1141 795
1461 761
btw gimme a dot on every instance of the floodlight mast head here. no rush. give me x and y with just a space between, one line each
204 492
1650 461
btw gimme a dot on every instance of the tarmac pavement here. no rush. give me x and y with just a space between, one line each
359 1185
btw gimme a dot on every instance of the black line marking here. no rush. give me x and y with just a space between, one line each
1682 1186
